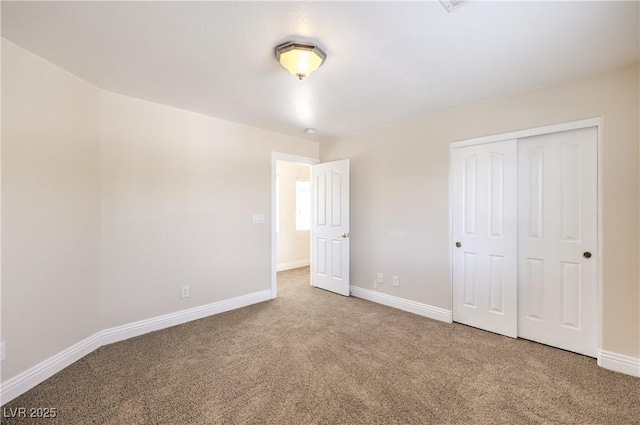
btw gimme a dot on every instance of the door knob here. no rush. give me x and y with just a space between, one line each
344 235
587 254
458 244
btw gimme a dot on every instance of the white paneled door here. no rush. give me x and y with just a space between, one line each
330 227
525 238
485 236
557 215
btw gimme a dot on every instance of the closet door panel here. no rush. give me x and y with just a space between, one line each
484 217
557 243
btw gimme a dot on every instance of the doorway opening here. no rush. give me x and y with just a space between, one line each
291 187
293 215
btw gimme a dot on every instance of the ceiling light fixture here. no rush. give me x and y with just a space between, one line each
299 58
452 5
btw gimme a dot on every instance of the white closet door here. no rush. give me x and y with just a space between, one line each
557 215
485 228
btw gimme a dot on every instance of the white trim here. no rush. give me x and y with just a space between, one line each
293 265
130 330
573 125
451 230
600 244
28 379
619 363
294 158
414 307
277 156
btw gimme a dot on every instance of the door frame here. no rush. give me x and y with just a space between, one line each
536 131
284 157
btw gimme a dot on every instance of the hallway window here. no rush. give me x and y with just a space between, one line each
277 204
303 204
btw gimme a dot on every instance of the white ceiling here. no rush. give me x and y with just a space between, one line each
387 61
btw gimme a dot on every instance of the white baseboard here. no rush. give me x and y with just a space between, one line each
120 333
28 379
292 265
606 359
619 363
425 310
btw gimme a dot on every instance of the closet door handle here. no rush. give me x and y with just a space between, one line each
586 254
458 244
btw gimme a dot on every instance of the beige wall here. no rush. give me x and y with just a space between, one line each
292 245
110 204
50 209
400 192
178 194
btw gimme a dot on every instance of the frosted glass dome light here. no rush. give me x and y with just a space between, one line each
300 59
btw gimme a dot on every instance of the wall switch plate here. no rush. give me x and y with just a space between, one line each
3 350
380 278
185 291
396 281
258 219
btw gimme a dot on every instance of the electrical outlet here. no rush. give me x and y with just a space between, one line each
3 350
380 278
396 281
185 291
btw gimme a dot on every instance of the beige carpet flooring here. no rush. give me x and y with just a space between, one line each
312 357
